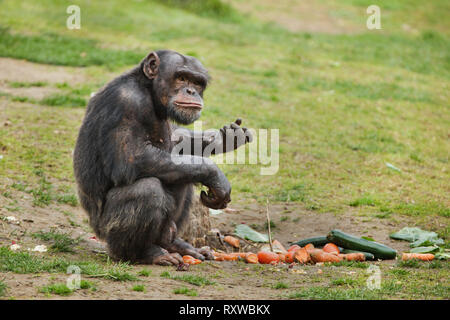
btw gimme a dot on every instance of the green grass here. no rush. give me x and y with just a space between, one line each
61 242
26 263
189 278
3 288
186 291
139 288
58 288
145 273
280 285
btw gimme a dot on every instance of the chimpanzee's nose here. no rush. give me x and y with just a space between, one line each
190 91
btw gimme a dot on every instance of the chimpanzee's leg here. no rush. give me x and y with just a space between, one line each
136 220
183 198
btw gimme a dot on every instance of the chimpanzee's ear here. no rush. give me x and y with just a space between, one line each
151 65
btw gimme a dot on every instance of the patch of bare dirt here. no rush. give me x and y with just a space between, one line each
13 70
294 15
21 70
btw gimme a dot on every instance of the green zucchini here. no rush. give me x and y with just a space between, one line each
316 241
380 251
368 255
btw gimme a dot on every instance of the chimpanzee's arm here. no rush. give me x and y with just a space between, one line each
210 142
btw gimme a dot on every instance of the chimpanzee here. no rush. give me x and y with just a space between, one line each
136 191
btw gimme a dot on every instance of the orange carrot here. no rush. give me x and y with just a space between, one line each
232 241
267 257
289 257
278 247
251 257
331 248
220 256
309 247
419 256
318 255
230 257
238 254
302 256
355 256
294 247
191 260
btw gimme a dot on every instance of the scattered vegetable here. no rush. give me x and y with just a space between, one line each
316 241
191 260
265 257
302 256
232 241
251 258
380 251
419 256
318 255
331 248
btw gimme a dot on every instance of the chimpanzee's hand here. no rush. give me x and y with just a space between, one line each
233 136
219 190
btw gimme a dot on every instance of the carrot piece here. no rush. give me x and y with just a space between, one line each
355 256
318 255
230 257
289 257
419 256
302 256
278 247
251 257
294 247
232 241
331 248
220 256
191 260
309 247
267 257
239 254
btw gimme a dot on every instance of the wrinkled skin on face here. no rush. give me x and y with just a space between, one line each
180 82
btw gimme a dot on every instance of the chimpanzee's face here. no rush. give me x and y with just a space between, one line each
179 83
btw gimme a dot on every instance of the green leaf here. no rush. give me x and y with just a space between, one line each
245 232
368 238
424 249
417 237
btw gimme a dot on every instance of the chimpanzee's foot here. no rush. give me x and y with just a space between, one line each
160 256
183 248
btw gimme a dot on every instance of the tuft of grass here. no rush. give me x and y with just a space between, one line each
61 100
3 287
325 293
57 288
343 282
186 291
189 278
280 285
17 84
145 273
365 201
61 242
139 288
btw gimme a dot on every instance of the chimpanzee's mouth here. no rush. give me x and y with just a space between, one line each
188 104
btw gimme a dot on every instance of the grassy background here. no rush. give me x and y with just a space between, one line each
345 104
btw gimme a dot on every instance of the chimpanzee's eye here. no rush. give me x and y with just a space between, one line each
182 79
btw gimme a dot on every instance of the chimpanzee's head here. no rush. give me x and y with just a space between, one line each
178 84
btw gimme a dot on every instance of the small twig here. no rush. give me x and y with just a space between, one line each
268 226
